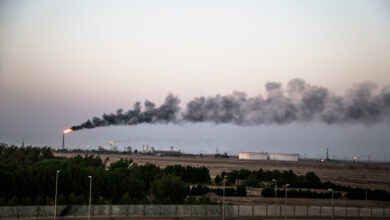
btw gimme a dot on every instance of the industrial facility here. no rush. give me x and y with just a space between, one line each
253 155
267 156
152 151
281 156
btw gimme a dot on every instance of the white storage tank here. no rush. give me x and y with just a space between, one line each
286 157
253 156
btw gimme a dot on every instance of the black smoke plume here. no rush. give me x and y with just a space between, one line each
166 113
298 102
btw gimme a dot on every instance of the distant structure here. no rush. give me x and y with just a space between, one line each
113 146
286 157
167 152
253 156
152 151
128 149
327 154
267 156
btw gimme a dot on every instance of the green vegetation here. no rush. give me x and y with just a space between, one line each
270 192
190 174
381 195
310 180
252 178
169 189
199 190
28 177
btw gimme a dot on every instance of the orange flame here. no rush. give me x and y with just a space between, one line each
68 130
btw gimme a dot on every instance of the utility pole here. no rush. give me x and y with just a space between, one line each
55 196
285 202
90 195
366 214
223 197
331 190
276 183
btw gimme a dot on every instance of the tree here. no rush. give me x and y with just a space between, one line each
125 198
40 200
241 190
27 201
218 180
199 190
252 181
13 201
72 199
312 180
312 177
61 200
121 164
170 189
101 200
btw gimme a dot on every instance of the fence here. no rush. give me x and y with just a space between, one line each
191 210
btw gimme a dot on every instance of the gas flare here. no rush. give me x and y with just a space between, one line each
68 130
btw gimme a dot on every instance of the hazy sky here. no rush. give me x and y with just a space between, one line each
62 62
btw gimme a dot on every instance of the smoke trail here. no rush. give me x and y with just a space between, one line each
166 113
299 102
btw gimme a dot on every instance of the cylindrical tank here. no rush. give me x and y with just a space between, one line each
253 155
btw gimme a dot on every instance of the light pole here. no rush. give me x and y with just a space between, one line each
285 201
366 214
90 195
55 196
331 190
223 198
276 183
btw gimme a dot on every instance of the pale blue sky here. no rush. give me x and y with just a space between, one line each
62 62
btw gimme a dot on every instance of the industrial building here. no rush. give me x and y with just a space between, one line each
152 151
286 157
253 155
267 156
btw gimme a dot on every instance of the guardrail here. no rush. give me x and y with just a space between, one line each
191 210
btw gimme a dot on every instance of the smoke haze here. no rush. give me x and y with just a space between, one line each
299 102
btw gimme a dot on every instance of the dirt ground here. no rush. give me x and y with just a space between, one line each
365 175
